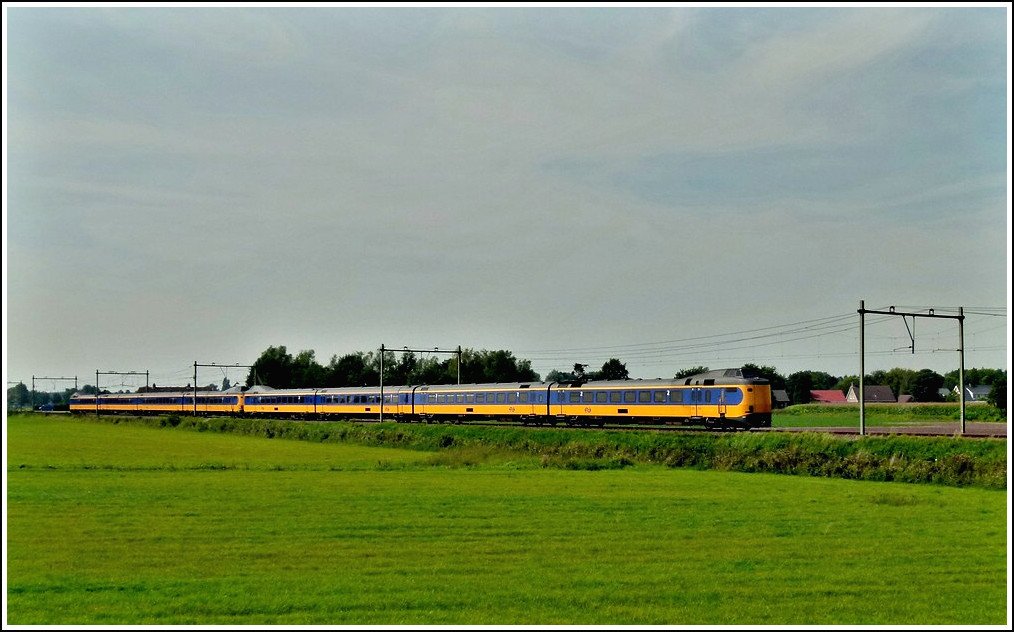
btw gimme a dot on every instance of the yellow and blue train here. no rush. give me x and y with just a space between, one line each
723 398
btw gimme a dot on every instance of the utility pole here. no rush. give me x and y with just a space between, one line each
221 366
930 314
407 350
32 394
146 375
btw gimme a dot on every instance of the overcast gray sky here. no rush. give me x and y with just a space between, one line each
672 186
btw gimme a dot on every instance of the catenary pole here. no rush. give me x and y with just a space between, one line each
929 314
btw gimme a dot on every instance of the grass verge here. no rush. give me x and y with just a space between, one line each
951 461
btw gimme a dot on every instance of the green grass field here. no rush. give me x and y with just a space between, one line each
847 415
117 524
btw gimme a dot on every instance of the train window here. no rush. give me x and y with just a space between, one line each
470 398
629 397
480 398
707 396
615 397
731 390
501 398
600 397
575 397
659 397
644 397
587 397
512 398
524 398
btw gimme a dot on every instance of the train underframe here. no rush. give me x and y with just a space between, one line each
754 420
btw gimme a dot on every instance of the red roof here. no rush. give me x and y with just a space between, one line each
827 397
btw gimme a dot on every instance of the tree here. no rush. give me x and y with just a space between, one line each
18 396
272 368
798 385
558 376
696 370
844 383
924 386
768 372
613 369
997 397
353 369
502 366
976 377
305 372
898 379
823 381
399 372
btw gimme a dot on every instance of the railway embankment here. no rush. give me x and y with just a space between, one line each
952 461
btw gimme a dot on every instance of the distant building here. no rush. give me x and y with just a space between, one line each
873 394
833 396
779 399
974 393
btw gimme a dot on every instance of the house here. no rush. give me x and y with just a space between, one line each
833 396
974 393
779 399
873 394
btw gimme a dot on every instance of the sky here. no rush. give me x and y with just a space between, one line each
669 185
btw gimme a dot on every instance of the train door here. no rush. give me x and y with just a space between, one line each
554 407
702 402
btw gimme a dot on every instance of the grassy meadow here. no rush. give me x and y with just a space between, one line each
120 523
847 415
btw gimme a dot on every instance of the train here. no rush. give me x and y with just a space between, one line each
724 398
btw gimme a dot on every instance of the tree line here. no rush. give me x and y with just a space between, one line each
923 385
277 368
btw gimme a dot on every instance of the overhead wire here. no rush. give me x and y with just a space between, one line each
666 352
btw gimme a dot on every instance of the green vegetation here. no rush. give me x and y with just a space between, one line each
940 460
825 415
130 523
